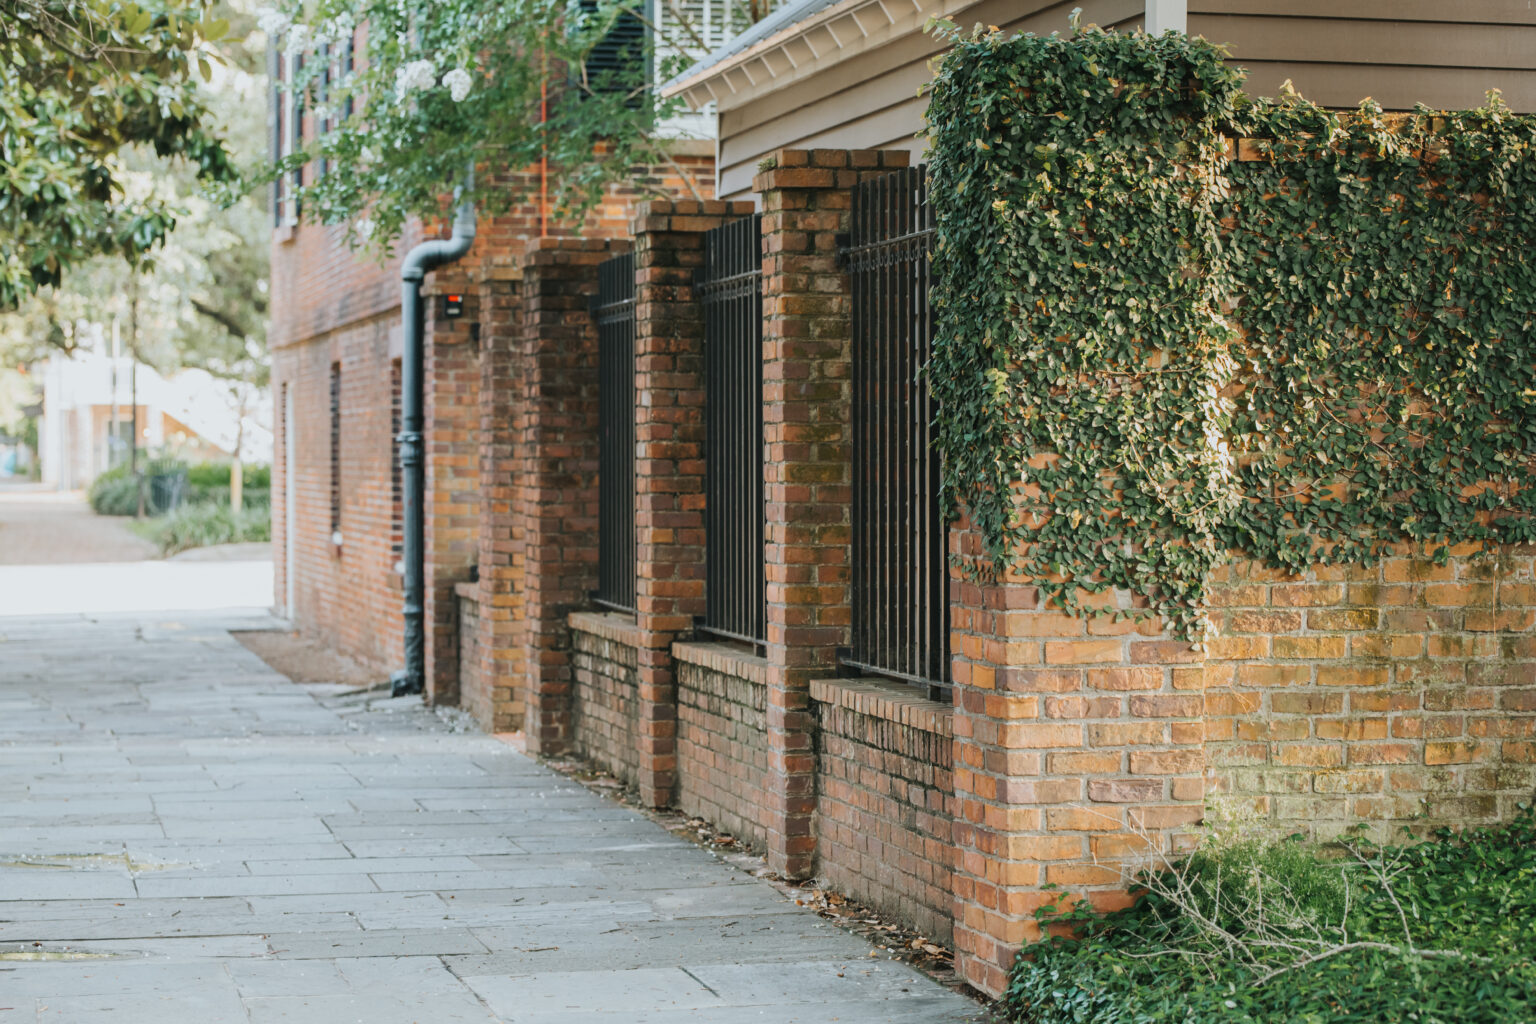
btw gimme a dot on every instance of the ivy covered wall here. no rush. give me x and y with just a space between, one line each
1160 347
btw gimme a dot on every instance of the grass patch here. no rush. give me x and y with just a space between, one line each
1440 932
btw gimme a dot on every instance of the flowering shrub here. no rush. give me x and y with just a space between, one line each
408 94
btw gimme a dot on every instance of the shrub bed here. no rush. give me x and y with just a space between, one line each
195 526
1249 932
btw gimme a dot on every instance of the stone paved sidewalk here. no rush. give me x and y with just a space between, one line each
187 836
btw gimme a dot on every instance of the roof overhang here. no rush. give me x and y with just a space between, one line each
764 59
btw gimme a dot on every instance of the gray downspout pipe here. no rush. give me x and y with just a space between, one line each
421 259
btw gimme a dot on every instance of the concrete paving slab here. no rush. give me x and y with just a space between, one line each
633 991
225 845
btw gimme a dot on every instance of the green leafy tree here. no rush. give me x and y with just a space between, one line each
409 95
81 81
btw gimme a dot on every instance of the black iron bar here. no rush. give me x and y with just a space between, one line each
729 287
899 543
614 314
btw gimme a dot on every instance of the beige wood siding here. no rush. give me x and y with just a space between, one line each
1442 53
870 101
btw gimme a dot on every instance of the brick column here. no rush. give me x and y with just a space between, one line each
1078 754
807 435
500 707
557 438
452 507
669 463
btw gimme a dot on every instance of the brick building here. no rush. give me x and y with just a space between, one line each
681 520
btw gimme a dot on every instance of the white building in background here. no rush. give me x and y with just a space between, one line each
191 414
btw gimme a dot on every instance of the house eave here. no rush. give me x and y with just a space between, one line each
822 38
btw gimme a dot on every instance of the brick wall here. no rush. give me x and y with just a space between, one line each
722 737
348 596
1402 693
884 795
472 689
451 456
331 305
493 693
604 710
1075 749
807 475
556 441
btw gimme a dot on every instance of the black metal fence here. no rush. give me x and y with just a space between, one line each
729 287
900 558
614 312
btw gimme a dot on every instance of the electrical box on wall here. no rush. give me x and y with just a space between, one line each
453 306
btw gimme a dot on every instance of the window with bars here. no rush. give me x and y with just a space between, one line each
900 537
396 523
729 288
614 313
335 448
286 110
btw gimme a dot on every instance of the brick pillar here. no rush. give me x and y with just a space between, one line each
807 435
1078 754
501 669
556 436
452 507
669 463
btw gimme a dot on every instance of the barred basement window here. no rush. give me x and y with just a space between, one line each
396 526
335 449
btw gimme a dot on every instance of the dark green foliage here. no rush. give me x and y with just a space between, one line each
114 493
1150 356
1389 296
1469 903
208 481
81 82
195 526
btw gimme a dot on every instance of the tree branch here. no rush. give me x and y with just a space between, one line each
223 319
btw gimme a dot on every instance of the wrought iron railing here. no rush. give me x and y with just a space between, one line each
614 313
900 556
729 287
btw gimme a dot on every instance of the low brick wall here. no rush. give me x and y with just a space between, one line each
604 712
1402 693
884 806
722 737
473 691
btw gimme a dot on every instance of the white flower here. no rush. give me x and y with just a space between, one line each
298 40
322 112
417 74
340 29
364 229
368 155
457 82
272 21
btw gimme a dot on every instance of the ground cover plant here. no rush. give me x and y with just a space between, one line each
1440 932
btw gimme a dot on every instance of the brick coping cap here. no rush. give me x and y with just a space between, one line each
614 626
726 659
892 702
